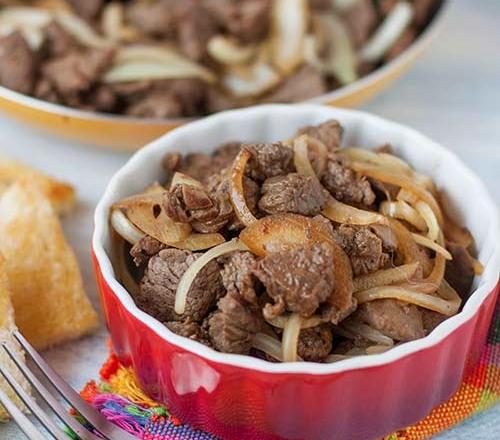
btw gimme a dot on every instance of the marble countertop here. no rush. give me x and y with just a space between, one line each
452 95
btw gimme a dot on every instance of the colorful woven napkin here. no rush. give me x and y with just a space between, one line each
119 398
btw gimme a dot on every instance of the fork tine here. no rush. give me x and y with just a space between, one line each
100 423
22 421
51 401
30 403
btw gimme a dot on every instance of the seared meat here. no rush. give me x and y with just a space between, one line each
153 18
459 272
306 83
269 160
88 9
302 289
396 319
18 63
361 20
237 274
423 10
364 248
315 344
144 249
292 193
161 278
58 42
189 329
329 133
431 319
345 185
156 105
233 326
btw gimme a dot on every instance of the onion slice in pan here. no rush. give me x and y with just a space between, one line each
403 211
426 242
237 194
123 226
280 321
190 274
386 277
367 332
227 51
290 337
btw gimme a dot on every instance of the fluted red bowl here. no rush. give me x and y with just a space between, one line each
240 397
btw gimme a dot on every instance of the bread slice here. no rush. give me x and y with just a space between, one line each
60 194
47 290
7 326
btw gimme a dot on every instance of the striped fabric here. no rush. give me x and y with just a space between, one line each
120 399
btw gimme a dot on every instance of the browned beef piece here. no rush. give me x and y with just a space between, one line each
385 6
195 27
315 344
191 93
100 98
237 275
18 64
306 83
401 44
459 272
77 72
144 249
329 133
364 248
292 193
189 329
246 20
46 91
320 5
161 278
233 326
58 42
431 319
218 101
345 184
157 104
88 9
423 10
269 160
360 19
297 280
386 234
396 319
155 18
225 154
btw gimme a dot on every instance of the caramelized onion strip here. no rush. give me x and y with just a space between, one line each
367 332
437 273
407 246
281 320
426 242
403 211
124 227
384 160
448 293
268 345
237 193
198 242
430 219
290 337
384 277
190 274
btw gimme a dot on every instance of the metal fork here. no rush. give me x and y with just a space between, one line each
105 429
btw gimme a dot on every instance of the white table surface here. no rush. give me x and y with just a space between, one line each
451 95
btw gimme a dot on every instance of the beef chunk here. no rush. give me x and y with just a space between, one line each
329 133
44 90
144 249
195 27
364 248
225 154
160 105
269 160
459 272
160 281
386 234
189 329
396 319
423 10
306 83
304 288
431 319
58 41
401 44
190 93
218 101
153 18
246 20
233 326
17 63
88 9
292 193
315 344
77 72
237 274
345 185
360 19
101 98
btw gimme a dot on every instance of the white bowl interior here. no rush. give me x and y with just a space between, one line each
466 197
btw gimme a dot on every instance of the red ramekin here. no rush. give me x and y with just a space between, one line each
240 397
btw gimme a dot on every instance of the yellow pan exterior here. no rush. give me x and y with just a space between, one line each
128 134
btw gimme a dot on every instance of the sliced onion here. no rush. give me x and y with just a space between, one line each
426 242
124 227
237 193
269 345
448 293
430 219
146 212
384 160
367 332
184 179
385 277
253 81
477 267
396 22
190 274
288 29
403 211
81 30
420 286
408 248
402 181
341 213
290 338
457 234
25 16
301 156
227 51
407 196
420 299
112 20
198 242
281 320
281 232
377 349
